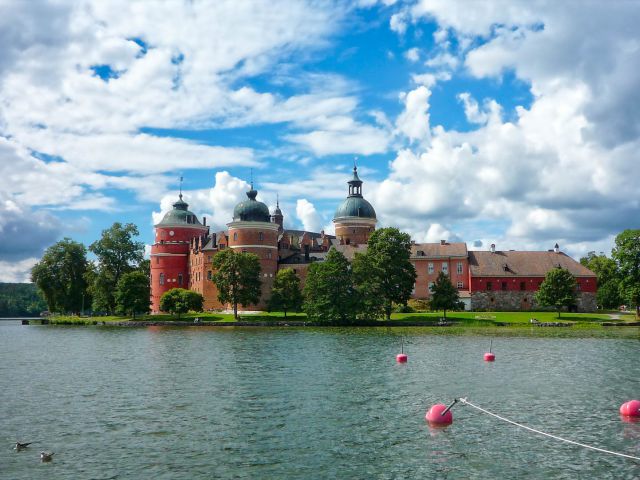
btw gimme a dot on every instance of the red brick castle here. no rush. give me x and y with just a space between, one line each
486 280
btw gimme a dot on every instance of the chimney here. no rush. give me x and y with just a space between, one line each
443 242
493 248
556 248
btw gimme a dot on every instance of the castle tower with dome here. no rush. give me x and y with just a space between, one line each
355 218
253 231
170 252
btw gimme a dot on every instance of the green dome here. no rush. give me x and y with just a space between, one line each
251 210
180 215
355 207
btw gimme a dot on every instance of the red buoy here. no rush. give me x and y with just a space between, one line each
402 358
489 357
436 419
630 408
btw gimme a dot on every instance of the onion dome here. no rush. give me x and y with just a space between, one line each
180 215
355 205
251 210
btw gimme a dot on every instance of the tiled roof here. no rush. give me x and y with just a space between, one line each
516 263
446 249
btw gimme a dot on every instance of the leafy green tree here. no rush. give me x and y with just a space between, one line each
178 301
132 293
606 270
557 290
237 278
444 296
627 255
20 300
330 296
60 276
386 272
117 253
286 294
371 302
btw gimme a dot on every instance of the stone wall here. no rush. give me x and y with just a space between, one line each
521 301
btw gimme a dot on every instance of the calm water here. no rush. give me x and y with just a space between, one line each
293 403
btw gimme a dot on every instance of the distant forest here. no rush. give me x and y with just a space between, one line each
20 300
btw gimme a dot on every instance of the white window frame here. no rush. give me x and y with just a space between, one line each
460 268
430 268
445 268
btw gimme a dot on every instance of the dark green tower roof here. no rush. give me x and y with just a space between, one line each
355 205
251 210
180 215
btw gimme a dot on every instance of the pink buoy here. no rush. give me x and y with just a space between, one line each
630 408
402 358
489 357
436 419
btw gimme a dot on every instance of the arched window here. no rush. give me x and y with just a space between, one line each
162 279
235 235
260 236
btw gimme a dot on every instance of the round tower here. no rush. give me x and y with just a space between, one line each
252 231
170 252
355 218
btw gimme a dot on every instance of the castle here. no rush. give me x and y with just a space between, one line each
182 254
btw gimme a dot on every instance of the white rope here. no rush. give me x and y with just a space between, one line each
466 402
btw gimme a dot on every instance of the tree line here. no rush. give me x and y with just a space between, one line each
20 300
116 282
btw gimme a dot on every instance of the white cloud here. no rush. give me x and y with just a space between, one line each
413 54
413 122
307 214
16 271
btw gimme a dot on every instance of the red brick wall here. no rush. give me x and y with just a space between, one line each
424 277
478 284
353 234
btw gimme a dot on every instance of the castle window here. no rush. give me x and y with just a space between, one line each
209 275
235 235
179 279
162 279
260 236
269 255
429 286
489 286
430 267
504 285
460 285
460 267
445 268
523 286
577 286
221 246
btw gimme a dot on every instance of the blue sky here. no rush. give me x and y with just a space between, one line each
486 122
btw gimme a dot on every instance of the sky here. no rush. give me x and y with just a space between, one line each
511 122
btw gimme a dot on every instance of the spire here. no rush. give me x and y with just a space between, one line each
181 179
355 184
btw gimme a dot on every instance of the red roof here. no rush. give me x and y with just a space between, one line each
523 264
436 250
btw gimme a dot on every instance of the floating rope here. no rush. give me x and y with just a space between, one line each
466 402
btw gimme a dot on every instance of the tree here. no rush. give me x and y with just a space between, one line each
132 293
330 296
179 301
557 290
606 270
444 296
60 276
626 253
286 294
117 254
386 272
237 278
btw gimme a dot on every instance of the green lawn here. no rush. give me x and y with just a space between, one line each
463 319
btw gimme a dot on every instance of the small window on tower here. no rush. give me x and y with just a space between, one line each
260 236
162 279
179 279
235 235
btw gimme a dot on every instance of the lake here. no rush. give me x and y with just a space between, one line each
276 403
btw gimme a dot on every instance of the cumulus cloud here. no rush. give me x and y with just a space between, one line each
16 271
413 122
307 214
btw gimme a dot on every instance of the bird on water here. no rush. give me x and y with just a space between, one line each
46 456
21 446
